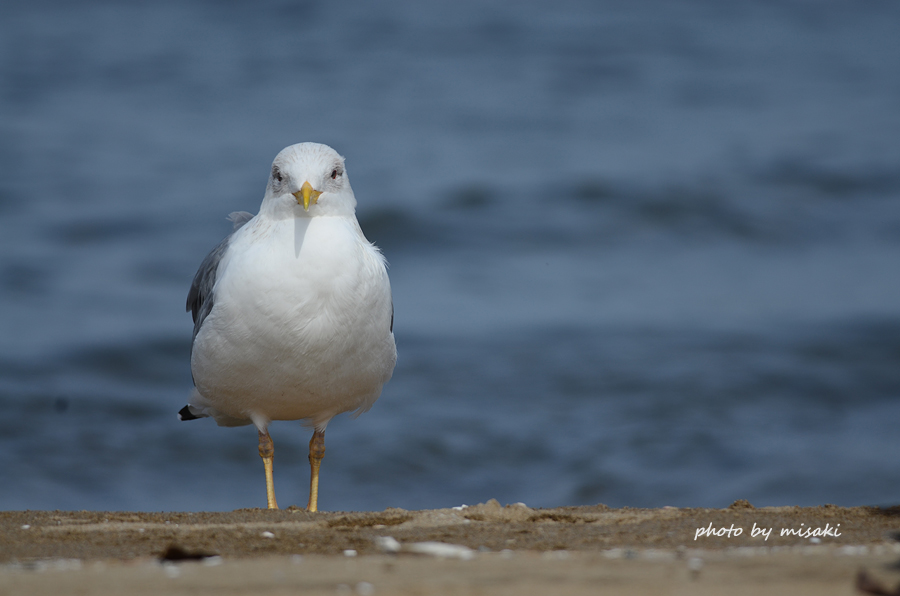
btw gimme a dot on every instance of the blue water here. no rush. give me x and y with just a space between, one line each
642 254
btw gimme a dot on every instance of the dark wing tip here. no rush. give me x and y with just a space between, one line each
186 414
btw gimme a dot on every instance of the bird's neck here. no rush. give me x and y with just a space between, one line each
276 208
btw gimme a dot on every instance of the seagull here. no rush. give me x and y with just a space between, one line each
293 315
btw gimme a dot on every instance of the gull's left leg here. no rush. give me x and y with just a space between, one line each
316 453
267 453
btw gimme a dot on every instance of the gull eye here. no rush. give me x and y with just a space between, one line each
276 174
334 174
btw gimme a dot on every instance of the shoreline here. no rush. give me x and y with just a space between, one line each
498 549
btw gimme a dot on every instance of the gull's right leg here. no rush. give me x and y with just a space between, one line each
267 453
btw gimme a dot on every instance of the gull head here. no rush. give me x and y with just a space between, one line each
308 179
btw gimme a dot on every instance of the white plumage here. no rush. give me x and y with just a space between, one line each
293 312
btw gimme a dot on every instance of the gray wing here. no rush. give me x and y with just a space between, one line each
200 296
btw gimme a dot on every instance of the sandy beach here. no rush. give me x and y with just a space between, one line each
496 549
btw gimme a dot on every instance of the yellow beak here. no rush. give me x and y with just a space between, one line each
306 195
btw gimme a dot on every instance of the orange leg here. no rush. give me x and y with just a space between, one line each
316 453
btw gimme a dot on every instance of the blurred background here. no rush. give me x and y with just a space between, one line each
642 253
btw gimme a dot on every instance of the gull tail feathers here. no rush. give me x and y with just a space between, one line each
188 413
